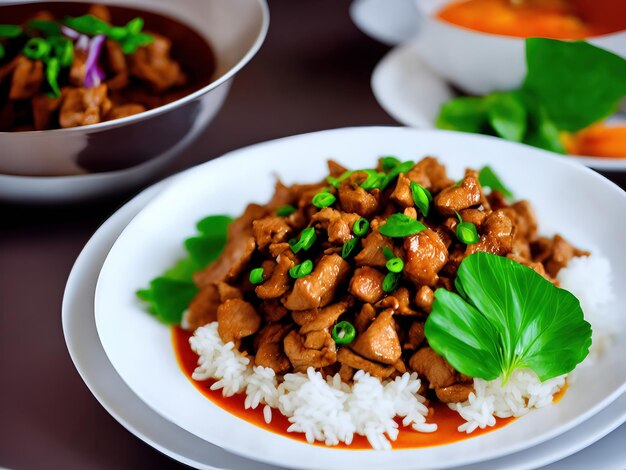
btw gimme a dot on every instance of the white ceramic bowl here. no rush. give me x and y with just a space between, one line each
477 62
566 196
116 155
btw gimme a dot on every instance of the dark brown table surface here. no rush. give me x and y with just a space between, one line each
312 73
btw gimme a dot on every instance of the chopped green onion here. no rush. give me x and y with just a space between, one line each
348 247
336 181
421 197
307 238
395 265
36 48
374 180
257 276
2 51
361 227
9 31
400 225
323 199
130 44
63 49
135 25
117 33
285 210
395 171
49 28
52 75
387 253
303 269
390 283
343 332
389 162
466 231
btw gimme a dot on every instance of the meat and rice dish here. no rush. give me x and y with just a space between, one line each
346 284
60 71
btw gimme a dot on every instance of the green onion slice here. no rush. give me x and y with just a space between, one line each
36 48
10 31
52 75
307 238
87 24
395 171
343 332
49 28
361 227
374 180
387 253
466 232
395 265
257 276
390 283
389 162
323 199
285 210
400 225
348 247
2 51
421 197
303 269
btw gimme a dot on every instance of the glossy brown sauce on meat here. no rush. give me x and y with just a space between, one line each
188 49
447 420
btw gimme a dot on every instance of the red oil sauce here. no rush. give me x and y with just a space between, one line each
447 420
556 19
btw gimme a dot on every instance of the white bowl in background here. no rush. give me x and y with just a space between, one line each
140 348
476 62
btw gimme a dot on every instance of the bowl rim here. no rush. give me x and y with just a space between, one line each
423 14
251 52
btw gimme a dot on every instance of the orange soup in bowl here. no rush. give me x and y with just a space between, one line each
556 19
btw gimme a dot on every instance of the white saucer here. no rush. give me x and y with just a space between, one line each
412 93
98 373
391 22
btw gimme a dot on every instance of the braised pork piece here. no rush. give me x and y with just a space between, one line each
317 277
70 64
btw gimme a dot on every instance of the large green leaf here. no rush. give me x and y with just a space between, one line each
538 325
466 114
577 83
507 115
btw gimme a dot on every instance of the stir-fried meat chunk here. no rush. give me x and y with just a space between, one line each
424 298
153 65
203 308
498 235
84 106
425 256
237 319
372 252
434 367
125 110
346 357
337 224
270 230
318 288
101 12
273 310
474 216
364 318
555 253
279 281
320 318
302 358
78 70
399 302
228 292
415 336
44 107
116 62
366 284
336 169
457 198
434 171
402 195
454 393
355 199
526 221
268 345
27 78
380 341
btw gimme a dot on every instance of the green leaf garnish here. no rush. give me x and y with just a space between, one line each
390 283
169 295
388 162
488 179
53 67
506 112
49 28
466 231
400 225
577 83
507 317
285 210
87 24
387 253
465 114
395 171
421 197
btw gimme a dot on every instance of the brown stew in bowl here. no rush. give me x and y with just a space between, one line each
73 64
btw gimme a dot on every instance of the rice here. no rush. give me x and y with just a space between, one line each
326 410
331 411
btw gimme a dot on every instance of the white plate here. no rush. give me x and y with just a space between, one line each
412 93
388 21
140 348
95 369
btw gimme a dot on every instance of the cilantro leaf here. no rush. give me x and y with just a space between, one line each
577 83
168 295
508 317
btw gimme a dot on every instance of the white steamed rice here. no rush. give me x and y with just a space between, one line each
330 411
